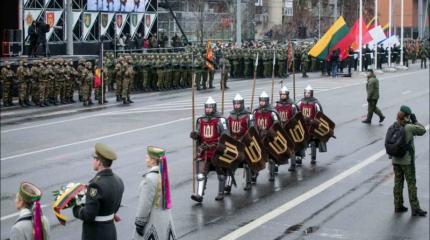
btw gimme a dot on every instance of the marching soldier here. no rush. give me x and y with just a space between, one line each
8 78
246 63
176 72
159 65
119 74
281 60
423 56
45 72
239 121
225 70
305 62
209 129
103 198
31 223
286 109
127 83
372 88
309 106
198 68
86 87
59 82
35 75
70 82
265 116
22 75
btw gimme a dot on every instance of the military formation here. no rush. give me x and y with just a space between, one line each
271 136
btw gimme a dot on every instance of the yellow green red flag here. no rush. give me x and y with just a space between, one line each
333 35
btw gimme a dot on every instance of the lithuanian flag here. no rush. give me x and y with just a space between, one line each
334 34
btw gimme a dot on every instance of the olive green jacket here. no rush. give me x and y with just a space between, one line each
411 130
372 88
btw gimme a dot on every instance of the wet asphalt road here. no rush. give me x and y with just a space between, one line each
53 146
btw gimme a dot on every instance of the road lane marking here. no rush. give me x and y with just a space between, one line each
302 198
406 92
94 139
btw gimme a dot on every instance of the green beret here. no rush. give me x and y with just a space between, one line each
29 192
155 152
405 109
105 152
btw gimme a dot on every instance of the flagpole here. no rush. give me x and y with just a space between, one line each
253 84
389 33
294 75
273 74
193 122
101 70
376 43
401 32
222 89
360 37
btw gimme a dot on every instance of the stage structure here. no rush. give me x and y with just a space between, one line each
92 20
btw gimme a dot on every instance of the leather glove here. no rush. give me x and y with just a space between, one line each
413 118
194 135
140 230
76 210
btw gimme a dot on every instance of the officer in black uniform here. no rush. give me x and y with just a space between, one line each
103 198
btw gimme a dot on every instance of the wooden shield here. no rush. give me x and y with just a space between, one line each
255 154
322 127
278 144
229 153
296 131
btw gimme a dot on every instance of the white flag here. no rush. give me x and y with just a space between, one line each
29 17
378 35
51 18
88 20
256 61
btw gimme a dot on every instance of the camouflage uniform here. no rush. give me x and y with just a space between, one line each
176 72
127 83
225 70
22 75
119 74
305 61
246 63
45 73
59 91
35 73
70 83
87 84
159 65
8 77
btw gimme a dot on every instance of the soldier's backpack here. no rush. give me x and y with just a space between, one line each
395 141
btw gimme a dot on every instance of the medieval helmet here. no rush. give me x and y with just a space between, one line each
210 103
309 91
264 97
238 99
284 90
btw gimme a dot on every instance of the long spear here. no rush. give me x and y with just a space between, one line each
193 122
273 74
222 88
255 79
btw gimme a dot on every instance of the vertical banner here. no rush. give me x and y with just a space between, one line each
29 17
105 21
149 21
135 20
76 16
51 18
88 19
120 19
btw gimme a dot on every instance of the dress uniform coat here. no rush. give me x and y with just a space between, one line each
157 222
103 199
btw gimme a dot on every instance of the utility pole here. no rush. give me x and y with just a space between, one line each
69 27
238 24
401 32
360 37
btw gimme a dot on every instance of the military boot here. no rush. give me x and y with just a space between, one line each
129 100
27 103
292 167
118 98
221 188
21 103
124 101
419 212
272 166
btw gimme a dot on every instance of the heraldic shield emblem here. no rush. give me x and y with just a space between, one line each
104 20
296 131
87 20
278 144
229 153
50 19
119 21
147 20
255 154
134 19
322 127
